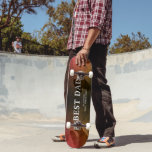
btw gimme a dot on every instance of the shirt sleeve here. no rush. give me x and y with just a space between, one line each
98 13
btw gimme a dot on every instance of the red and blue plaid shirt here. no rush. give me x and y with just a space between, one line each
87 14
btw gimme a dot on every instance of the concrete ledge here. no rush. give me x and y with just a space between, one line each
31 86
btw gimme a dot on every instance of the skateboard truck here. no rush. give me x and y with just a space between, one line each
81 74
78 125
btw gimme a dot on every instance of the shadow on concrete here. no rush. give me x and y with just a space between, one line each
92 140
129 139
124 140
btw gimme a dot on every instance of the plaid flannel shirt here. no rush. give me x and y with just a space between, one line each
87 14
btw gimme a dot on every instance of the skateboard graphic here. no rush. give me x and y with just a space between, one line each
78 104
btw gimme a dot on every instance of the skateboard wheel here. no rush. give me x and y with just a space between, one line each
88 126
71 72
90 74
68 125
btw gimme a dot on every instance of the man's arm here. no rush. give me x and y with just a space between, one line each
14 46
82 55
98 14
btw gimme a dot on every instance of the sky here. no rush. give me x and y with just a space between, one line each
128 16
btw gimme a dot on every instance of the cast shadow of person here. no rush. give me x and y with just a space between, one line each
125 140
129 139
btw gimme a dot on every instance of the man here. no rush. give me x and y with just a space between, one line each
90 37
17 45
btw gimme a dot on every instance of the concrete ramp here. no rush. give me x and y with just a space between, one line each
130 78
32 86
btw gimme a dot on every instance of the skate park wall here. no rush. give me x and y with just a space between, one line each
31 86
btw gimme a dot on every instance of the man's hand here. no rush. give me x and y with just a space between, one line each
82 57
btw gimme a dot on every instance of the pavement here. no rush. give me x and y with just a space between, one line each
37 136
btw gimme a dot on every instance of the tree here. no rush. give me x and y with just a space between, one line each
126 43
55 33
32 46
11 10
30 42
9 34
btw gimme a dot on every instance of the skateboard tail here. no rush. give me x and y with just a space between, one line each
76 139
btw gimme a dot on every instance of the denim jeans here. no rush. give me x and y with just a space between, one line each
101 93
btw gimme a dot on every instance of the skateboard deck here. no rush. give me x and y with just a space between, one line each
78 104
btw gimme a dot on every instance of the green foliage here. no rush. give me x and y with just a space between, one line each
15 8
30 43
56 32
11 10
125 43
9 33
32 46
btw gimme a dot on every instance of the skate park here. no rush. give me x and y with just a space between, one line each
32 107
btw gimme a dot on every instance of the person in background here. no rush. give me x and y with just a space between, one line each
17 45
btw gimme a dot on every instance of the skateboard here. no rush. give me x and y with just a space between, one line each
78 104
